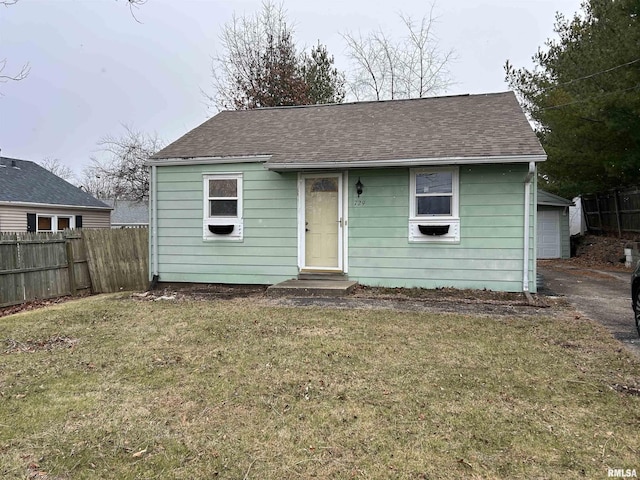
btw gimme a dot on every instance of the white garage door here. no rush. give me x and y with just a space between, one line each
548 234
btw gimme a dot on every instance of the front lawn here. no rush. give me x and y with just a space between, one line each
111 387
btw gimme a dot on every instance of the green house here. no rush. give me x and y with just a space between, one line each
432 192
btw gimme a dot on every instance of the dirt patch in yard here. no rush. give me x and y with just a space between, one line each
33 305
571 267
444 300
32 346
593 253
441 300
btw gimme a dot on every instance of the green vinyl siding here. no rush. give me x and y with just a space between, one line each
268 251
490 251
378 251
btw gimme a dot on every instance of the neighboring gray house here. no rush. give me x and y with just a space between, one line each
553 226
128 213
32 199
430 192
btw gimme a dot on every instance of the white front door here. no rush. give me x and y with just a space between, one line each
321 222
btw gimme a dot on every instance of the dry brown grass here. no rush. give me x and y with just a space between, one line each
231 389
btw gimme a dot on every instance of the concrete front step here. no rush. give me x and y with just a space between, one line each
322 276
316 288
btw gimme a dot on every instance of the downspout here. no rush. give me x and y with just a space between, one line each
527 211
154 223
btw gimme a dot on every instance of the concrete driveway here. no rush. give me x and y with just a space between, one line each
603 296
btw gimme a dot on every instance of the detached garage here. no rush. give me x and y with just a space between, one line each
553 226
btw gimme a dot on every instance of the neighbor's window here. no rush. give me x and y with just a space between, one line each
53 223
222 206
434 193
64 223
45 224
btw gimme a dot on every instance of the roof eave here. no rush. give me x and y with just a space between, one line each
552 200
176 161
51 205
404 162
556 204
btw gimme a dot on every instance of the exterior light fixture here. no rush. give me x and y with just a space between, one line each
359 187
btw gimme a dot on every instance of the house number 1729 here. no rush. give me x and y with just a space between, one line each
358 203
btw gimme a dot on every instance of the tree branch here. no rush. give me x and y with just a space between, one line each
21 75
387 68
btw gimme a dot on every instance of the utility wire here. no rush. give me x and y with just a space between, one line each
596 73
590 98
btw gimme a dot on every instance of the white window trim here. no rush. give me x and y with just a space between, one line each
237 220
54 221
455 192
452 221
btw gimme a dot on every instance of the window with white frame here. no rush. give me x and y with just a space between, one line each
434 204
222 206
45 223
54 223
64 223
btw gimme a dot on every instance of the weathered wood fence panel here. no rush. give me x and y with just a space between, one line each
81 277
46 265
43 262
10 284
36 266
118 259
616 211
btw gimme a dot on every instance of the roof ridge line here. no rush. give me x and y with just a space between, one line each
397 100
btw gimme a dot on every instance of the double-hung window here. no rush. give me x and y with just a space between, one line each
434 203
53 223
222 207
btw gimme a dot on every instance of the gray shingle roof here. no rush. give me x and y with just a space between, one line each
128 212
549 199
30 183
438 127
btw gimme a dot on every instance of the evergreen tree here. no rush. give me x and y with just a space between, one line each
584 98
325 84
276 78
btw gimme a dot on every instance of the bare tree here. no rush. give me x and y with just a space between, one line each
135 4
26 68
94 182
411 67
260 65
244 41
122 174
56 167
132 4
20 75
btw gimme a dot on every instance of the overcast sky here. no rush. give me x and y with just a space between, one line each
94 68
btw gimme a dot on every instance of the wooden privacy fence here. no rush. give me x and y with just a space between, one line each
616 211
118 259
46 265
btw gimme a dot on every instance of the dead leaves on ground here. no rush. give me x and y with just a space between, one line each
32 346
